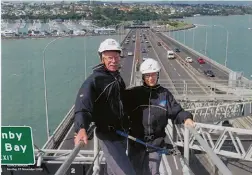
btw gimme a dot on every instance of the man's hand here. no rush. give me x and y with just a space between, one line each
189 122
81 136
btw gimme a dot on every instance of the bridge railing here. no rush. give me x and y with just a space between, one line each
221 112
225 141
78 155
212 84
213 157
211 139
188 89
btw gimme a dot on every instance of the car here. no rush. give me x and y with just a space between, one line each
144 58
158 43
209 73
144 51
188 60
130 54
177 50
147 41
149 46
170 54
121 55
201 60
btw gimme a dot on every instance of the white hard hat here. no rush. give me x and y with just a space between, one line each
149 66
109 44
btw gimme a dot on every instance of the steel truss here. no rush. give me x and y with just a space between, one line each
212 114
223 140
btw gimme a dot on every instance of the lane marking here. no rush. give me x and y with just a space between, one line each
133 64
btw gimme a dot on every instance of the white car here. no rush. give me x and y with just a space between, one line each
188 60
130 53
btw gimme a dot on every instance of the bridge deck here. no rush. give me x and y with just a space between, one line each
128 75
171 70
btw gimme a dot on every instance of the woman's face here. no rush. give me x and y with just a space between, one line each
151 78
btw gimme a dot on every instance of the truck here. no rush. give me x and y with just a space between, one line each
170 54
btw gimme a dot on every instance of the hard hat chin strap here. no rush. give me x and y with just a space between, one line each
100 55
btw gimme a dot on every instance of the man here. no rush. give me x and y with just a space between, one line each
99 101
149 112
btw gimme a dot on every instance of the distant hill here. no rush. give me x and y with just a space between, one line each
236 3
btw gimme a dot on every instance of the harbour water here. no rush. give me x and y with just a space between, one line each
211 33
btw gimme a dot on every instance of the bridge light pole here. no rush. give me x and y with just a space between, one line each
226 42
45 88
184 37
206 43
193 37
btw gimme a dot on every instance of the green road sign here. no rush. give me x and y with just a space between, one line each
17 145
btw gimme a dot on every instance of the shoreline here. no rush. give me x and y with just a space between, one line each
189 26
56 36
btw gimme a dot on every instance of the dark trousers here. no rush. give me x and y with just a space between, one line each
144 163
117 161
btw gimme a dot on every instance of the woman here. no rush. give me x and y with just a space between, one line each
149 107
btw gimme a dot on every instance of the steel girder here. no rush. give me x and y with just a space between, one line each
224 141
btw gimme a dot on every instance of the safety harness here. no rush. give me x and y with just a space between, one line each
159 149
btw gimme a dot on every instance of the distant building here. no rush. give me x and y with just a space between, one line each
104 30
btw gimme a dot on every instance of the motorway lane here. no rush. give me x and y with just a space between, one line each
128 69
219 73
164 78
168 68
127 61
181 78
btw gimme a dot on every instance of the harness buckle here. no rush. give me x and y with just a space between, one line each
175 152
111 128
149 138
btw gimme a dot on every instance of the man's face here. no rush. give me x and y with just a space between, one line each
111 59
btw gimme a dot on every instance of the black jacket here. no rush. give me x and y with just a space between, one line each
99 101
149 109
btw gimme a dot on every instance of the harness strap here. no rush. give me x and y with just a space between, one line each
159 150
